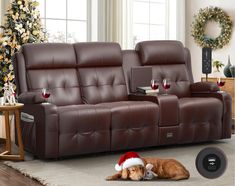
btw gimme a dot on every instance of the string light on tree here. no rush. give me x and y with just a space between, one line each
22 25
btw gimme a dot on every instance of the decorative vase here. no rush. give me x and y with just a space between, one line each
227 72
232 70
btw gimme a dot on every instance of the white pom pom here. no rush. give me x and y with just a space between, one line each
118 167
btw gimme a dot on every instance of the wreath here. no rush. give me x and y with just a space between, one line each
212 14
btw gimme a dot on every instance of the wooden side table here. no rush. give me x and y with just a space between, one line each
6 109
230 88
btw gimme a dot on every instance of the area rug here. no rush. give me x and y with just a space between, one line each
92 170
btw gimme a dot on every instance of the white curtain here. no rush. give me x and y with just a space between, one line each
3 6
176 17
114 21
1 10
180 26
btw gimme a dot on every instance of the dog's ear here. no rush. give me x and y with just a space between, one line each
125 174
114 177
149 166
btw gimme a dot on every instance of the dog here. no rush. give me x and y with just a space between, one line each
167 168
163 168
135 173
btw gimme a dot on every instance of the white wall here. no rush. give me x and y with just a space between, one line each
192 7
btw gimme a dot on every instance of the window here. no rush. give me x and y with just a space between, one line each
134 20
150 20
65 20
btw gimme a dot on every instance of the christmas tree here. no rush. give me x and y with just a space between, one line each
22 25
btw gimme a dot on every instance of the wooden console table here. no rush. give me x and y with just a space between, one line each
228 87
6 109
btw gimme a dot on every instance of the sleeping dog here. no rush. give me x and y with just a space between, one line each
132 167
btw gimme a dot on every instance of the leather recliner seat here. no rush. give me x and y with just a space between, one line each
89 111
133 123
92 109
199 118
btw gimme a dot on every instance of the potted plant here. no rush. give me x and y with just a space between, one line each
217 65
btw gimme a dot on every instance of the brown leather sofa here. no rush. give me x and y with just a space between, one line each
92 109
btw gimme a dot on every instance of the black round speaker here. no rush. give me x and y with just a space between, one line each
211 162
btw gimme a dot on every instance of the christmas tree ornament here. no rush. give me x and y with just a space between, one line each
9 94
22 24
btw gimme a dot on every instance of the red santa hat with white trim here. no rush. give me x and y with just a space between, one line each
127 160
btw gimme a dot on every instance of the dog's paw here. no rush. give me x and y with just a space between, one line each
109 178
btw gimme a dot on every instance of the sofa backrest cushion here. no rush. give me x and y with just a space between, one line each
52 66
49 55
100 72
161 52
168 60
98 54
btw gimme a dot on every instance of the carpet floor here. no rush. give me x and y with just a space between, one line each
92 170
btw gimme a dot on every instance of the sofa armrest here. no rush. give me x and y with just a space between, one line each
30 98
167 104
142 97
226 99
42 134
204 87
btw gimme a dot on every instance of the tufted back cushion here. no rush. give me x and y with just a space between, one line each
100 72
168 60
177 73
53 66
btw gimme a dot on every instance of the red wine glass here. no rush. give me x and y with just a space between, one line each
166 85
154 84
46 94
220 83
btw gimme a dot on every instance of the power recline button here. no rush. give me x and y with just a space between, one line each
211 162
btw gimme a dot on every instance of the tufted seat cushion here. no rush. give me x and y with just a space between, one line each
200 119
83 129
133 124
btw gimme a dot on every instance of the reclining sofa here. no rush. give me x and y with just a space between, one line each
93 110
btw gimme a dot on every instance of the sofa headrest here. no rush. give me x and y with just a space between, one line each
160 52
98 54
49 55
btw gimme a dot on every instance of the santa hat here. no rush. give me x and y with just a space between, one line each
127 160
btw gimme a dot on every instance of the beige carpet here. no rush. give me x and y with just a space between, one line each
92 170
